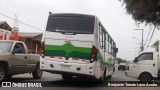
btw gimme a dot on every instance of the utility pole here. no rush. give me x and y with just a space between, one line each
142 45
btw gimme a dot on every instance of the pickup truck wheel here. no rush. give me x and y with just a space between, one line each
2 74
8 76
37 74
145 78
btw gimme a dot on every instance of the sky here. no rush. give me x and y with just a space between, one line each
112 14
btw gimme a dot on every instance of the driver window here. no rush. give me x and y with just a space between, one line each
146 56
20 47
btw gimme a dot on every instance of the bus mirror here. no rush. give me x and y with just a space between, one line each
116 50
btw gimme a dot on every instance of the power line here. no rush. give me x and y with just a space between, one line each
21 22
151 36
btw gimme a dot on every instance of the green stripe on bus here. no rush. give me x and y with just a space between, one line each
68 50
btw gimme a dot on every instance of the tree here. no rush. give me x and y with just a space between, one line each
121 60
147 11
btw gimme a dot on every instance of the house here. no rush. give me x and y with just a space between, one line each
32 40
5 31
4 25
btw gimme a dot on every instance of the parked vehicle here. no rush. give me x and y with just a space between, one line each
122 66
15 59
77 45
145 67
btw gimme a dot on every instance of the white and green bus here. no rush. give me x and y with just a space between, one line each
77 45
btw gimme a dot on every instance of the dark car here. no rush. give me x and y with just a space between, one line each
122 66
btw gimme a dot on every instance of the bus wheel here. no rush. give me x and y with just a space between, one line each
109 77
145 78
104 75
37 73
103 78
67 77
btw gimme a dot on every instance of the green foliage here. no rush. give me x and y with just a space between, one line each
156 45
121 60
147 11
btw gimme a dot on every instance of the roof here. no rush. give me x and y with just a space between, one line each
1 22
28 34
7 27
9 41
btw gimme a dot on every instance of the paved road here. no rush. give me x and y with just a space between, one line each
55 82
117 76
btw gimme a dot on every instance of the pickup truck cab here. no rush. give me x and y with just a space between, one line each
15 59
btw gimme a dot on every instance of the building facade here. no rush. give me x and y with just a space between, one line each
32 40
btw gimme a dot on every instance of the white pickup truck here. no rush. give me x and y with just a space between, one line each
15 59
145 67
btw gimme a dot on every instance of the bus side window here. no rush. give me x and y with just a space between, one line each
107 36
103 40
110 46
100 36
109 49
113 47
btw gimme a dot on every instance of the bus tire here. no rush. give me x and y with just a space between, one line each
109 77
103 78
104 75
145 77
114 69
37 73
67 77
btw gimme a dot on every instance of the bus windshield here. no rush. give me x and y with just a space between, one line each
5 46
71 24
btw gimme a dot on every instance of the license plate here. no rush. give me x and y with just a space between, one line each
65 66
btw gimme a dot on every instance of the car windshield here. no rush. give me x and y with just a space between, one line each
71 24
5 46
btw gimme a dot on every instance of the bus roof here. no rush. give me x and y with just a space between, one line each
71 15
